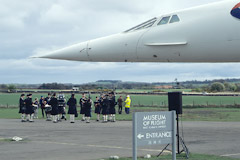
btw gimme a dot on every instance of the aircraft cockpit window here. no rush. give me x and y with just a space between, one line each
164 20
174 19
146 24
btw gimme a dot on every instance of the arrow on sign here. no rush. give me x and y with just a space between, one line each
140 136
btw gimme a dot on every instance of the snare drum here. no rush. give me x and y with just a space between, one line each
35 107
48 108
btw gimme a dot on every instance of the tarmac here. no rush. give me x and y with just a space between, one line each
45 140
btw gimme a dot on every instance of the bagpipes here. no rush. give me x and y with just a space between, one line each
89 95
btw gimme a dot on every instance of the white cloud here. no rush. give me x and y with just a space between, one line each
42 70
56 14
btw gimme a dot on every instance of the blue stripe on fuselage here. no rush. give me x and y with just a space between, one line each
236 13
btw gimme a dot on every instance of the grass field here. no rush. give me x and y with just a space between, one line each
192 157
195 114
145 100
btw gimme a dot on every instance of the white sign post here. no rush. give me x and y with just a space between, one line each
154 128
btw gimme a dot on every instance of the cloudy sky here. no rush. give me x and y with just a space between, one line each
29 27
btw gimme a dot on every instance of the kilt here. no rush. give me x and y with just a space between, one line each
88 112
72 110
82 110
112 110
98 109
22 109
61 110
29 110
54 110
104 110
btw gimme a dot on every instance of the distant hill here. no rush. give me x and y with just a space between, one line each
118 84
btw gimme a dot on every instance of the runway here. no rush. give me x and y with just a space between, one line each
46 140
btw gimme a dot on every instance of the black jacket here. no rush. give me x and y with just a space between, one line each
54 104
72 102
22 108
29 106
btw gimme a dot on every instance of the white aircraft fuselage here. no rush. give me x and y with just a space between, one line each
208 33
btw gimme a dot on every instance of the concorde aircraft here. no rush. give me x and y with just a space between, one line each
207 33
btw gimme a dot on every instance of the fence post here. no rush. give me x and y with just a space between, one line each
207 103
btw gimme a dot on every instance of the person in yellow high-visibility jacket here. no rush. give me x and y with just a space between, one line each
127 104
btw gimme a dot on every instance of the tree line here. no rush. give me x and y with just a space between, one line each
219 87
232 85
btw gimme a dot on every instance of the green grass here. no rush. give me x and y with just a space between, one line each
144 100
151 90
187 100
182 156
9 113
5 140
189 114
212 114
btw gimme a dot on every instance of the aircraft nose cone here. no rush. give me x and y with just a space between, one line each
77 52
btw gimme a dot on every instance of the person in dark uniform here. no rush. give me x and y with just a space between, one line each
35 108
88 107
82 109
54 104
97 106
29 108
41 102
112 110
120 102
48 110
105 104
22 107
108 108
61 107
72 110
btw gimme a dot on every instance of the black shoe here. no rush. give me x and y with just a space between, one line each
23 120
72 122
